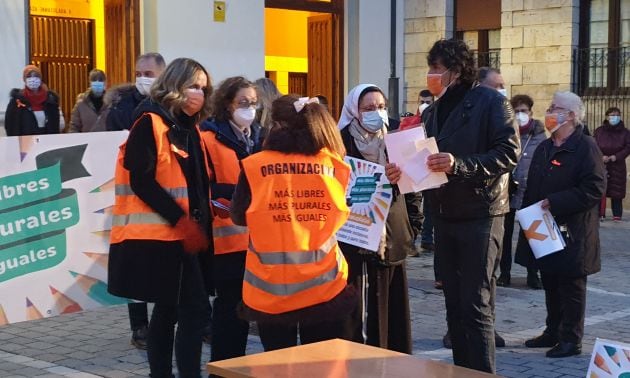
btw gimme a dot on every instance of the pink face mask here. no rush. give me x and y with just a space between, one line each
194 101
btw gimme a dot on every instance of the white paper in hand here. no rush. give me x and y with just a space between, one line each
410 169
541 230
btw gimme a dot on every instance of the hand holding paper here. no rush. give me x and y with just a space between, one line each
540 229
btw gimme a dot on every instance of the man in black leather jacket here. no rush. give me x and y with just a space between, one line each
479 145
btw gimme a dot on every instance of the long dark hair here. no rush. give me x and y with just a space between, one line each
225 94
305 132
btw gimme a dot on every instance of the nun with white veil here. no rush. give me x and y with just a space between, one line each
382 316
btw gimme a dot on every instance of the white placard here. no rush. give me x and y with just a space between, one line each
610 359
540 229
369 197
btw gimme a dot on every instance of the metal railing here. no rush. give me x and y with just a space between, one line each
491 58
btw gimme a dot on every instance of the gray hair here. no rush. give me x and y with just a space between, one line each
157 58
571 102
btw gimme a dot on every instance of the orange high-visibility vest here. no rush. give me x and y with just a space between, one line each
227 236
298 205
132 217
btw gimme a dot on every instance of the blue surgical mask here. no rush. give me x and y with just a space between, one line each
375 120
97 87
614 120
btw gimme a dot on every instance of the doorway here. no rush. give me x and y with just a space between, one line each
304 48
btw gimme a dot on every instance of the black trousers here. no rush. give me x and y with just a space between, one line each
413 202
229 332
138 315
280 335
565 298
190 315
470 251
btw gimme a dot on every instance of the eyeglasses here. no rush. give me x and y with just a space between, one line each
556 108
244 104
372 108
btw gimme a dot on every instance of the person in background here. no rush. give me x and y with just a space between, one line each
124 99
33 109
267 93
323 101
89 113
425 99
162 218
230 136
492 78
613 139
532 133
295 275
468 210
387 324
567 176
122 102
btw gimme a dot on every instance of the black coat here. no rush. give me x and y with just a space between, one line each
573 179
153 270
481 134
20 120
122 101
614 140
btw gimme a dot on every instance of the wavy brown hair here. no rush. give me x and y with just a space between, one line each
169 88
305 132
225 94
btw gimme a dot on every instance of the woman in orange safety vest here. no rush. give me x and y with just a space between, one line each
292 198
230 136
161 217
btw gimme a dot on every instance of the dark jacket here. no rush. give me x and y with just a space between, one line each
529 143
229 266
572 178
398 231
614 140
20 120
152 270
122 101
481 134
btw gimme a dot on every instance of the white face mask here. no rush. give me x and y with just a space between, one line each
523 118
143 84
244 117
422 107
375 120
503 91
33 83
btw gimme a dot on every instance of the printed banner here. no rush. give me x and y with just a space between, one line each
610 359
369 196
56 195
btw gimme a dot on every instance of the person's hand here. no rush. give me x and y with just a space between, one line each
612 158
194 240
393 172
545 204
441 162
606 158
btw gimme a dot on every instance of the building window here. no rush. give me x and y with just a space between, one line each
485 46
602 62
480 28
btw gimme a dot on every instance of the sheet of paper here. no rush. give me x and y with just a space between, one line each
541 230
409 150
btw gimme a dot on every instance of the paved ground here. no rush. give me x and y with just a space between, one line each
96 343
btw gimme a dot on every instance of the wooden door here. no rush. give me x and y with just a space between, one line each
320 80
63 48
122 38
298 84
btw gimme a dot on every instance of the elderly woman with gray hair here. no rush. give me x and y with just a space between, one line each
567 175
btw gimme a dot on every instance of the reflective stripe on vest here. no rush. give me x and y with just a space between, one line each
225 231
296 257
125 190
138 218
285 289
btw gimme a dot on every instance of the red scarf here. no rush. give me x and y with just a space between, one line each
525 129
36 99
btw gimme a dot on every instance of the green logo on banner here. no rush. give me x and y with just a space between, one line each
35 211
